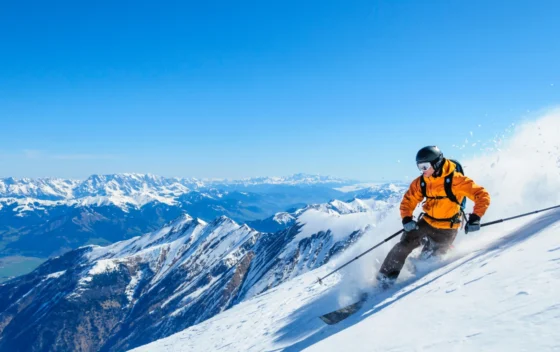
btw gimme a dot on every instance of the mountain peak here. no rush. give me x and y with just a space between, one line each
223 219
183 218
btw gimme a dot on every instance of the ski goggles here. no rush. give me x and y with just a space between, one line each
424 166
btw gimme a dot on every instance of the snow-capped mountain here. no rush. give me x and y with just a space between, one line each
383 191
323 231
295 179
139 189
136 291
133 188
106 209
42 188
119 189
388 192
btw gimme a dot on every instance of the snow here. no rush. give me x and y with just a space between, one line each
103 266
130 190
497 291
339 224
228 235
340 217
181 290
283 218
356 187
56 275
171 232
139 187
42 187
27 204
179 243
99 267
295 179
480 301
132 285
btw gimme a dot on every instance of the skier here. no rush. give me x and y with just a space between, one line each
444 189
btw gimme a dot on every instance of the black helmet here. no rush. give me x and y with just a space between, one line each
430 154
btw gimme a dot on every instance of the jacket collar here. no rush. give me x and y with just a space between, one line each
447 168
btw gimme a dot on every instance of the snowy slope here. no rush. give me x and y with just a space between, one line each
504 297
501 296
497 291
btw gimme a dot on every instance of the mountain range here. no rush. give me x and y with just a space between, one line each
46 217
138 189
135 291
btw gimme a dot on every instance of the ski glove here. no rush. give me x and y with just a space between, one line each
409 224
473 224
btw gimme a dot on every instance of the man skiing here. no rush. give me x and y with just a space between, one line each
444 189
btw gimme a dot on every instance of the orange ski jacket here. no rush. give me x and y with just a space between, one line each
444 208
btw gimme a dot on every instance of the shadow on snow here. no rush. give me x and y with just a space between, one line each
306 329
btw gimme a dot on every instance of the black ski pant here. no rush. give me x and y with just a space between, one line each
440 241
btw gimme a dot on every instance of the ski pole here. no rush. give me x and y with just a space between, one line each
320 280
518 216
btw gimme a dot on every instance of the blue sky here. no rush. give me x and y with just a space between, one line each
252 88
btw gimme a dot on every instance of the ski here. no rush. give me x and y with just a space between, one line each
426 268
344 312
